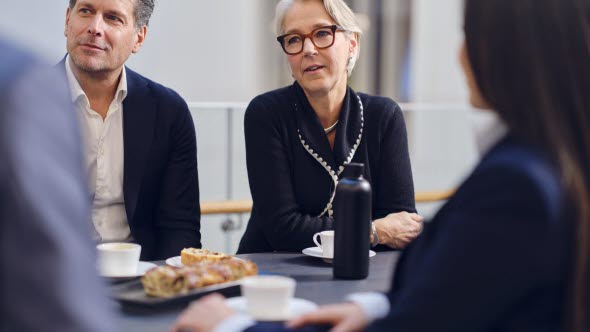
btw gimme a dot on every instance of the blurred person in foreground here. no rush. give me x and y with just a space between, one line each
139 136
298 138
510 250
48 279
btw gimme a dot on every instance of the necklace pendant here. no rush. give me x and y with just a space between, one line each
331 128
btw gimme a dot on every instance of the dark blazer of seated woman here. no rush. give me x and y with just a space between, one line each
495 256
293 171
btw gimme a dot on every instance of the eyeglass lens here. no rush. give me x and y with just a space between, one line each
321 38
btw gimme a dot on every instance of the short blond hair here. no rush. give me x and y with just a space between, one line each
339 11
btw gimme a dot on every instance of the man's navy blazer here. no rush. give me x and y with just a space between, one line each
160 178
495 256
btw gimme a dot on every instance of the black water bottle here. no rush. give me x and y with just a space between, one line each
352 224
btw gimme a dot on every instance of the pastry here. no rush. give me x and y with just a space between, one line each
190 256
168 281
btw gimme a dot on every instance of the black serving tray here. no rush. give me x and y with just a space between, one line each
132 294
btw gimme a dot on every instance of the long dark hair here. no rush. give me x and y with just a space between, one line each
531 61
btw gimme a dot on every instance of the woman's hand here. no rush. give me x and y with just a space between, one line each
344 317
203 315
397 230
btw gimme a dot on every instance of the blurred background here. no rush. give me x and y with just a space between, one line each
220 54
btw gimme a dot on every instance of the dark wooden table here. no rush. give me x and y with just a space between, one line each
314 282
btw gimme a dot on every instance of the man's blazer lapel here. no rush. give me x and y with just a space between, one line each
139 116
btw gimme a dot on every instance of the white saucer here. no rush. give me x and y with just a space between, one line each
296 307
176 262
317 252
142 268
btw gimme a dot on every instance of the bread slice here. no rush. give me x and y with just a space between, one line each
191 256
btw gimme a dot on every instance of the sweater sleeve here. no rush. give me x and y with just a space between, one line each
178 212
394 188
284 225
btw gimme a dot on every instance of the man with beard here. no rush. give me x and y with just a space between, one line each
139 135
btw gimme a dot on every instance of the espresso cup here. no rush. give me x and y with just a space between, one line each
118 258
327 244
268 297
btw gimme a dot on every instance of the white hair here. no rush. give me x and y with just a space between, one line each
339 12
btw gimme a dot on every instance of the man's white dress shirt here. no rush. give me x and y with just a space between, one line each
103 151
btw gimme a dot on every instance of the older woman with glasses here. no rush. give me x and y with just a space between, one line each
299 138
510 251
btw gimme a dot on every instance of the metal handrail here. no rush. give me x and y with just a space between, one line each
245 206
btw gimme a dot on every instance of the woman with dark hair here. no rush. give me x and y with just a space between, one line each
510 250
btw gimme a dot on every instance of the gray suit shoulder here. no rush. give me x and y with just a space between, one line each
50 278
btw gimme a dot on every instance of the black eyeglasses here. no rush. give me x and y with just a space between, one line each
323 37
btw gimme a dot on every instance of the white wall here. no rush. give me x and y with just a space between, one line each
206 50
435 39
37 25
441 146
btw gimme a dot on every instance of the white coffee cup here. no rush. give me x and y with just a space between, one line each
327 244
118 258
268 297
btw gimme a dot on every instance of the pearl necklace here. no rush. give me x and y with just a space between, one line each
331 128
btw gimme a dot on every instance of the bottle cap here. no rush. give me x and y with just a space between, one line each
353 170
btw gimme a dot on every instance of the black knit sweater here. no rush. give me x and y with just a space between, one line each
293 171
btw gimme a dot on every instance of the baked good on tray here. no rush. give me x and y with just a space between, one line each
168 281
190 256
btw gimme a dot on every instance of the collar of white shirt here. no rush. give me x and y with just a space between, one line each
488 129
79 95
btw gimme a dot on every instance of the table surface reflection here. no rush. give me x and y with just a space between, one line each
314 282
